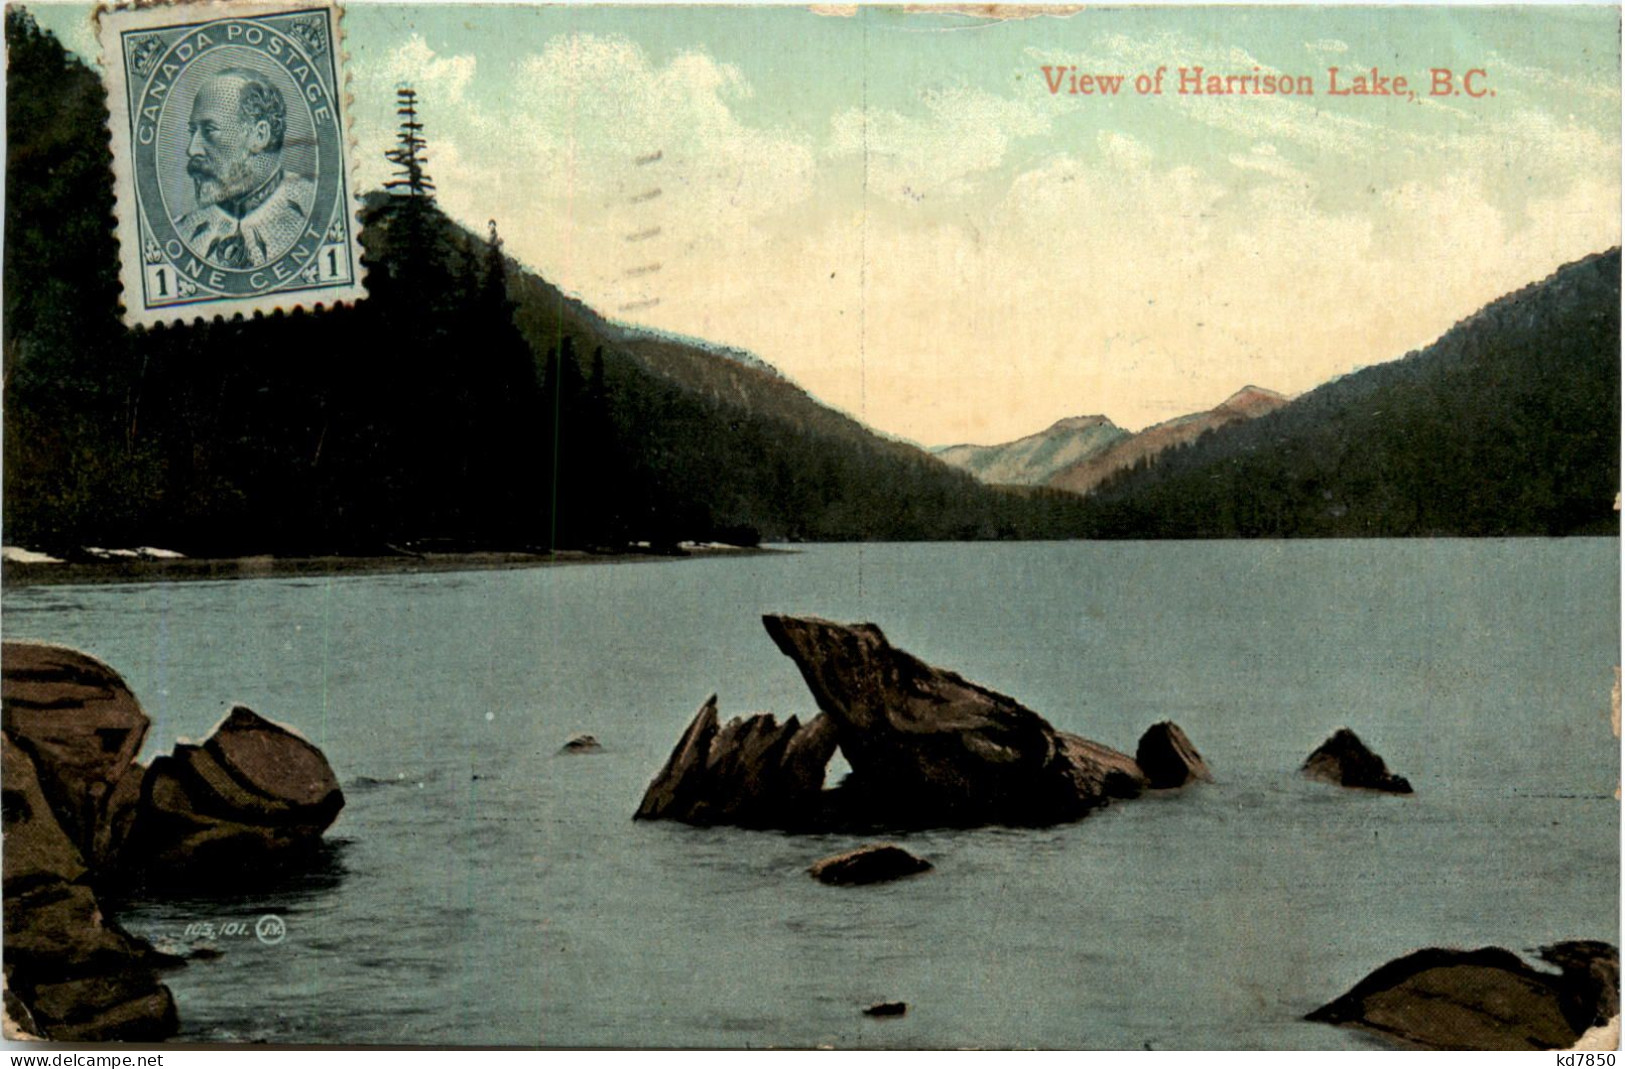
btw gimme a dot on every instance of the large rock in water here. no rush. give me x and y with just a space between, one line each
1346 761
1168 759
930 748
927 749
753 772
255 793
1487 999
78 722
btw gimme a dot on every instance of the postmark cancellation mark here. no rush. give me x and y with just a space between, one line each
231 158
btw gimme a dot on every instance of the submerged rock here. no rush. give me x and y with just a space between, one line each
876 863
1346 761
582 744
1168 759
1486 999
254 793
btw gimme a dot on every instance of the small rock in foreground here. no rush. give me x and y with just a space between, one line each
876 863
1347 762
886 1009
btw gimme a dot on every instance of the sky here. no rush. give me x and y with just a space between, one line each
894 209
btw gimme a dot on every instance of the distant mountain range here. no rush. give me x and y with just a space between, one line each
1035 459
1081 452
1249 402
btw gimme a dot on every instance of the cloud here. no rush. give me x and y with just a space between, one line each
588 141
962 134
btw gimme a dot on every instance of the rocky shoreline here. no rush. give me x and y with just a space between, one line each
17 574
84 819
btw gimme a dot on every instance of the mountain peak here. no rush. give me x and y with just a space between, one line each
1253 400
1030 461
1079 423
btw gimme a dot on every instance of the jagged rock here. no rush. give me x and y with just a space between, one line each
254 793
753 772
71 976
875 863
886 1009
582 744
1346 761
1486 999
929 748
76 718
1168 759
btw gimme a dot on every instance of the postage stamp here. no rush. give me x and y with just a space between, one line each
231 159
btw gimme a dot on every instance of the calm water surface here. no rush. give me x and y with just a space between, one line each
484 889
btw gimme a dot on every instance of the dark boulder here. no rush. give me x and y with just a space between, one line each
1347 762
753 772
1167 758
876 863
254 793
1486 999
930 748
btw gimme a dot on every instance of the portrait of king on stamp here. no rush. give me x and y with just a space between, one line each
231 159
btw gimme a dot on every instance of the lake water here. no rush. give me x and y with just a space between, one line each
484 889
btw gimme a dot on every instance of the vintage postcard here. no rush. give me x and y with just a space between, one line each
842 526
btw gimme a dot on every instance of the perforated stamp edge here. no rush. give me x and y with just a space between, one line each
111 23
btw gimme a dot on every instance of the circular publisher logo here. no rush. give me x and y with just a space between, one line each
270 930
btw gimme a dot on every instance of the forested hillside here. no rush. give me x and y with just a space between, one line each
1507 425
